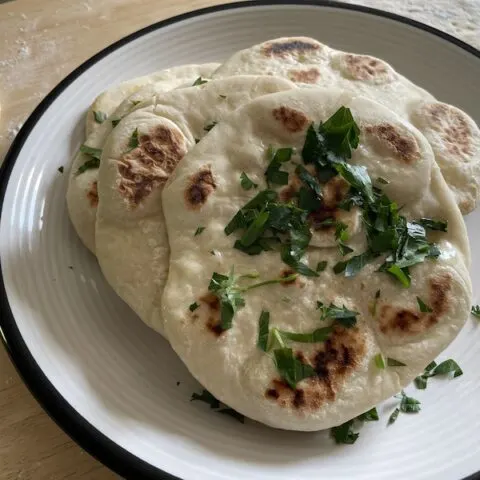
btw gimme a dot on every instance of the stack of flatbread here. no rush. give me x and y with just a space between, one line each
284 219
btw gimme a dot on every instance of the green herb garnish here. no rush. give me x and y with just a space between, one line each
321 266
344 433
193 306
291 369
370 416
263 330
391 362
380 361
206 397
115 121
432 370
424 308
91 151
199 81
408 404
393 416
246 183
88 165
230 293
99 117
432 224
133 142
382 181
198 231
475 311
60 169
347 318
273 174
209 399
208 127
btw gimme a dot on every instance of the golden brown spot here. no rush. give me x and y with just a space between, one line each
304 76
364 67
403 145
286 273
412 321
334 361
334 191
92 195
289 47
453 126
149 165
201 185
212 313
287 193
292 120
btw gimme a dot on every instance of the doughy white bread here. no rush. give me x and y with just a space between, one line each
170 78
348 383
454 136
82 198
131 240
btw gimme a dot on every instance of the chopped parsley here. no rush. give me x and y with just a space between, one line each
60 169
93 162
370 416
449 366
341 234
99 117
263 330
91 151
391 362
215 404
133 142
115 121
208 127
344 433
393 417
230 293
273 174
290 368
382 181
193 306
432 224
199 81
347 318
321 266
198 231
246 183
317 336
424 308
407 405
223 97
206 397
475 311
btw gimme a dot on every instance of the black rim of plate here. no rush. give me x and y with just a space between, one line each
77 427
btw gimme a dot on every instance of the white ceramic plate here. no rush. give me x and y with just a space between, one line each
107 379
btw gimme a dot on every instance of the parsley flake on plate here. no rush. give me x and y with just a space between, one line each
344 433
475 311
198 231
199 81
424 308
99 116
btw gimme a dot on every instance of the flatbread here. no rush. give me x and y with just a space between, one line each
347 382
106 103
454 136
82 196
131 240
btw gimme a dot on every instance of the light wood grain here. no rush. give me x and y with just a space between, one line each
41 41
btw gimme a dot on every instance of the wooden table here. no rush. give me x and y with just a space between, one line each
41 41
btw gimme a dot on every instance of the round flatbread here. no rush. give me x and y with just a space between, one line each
138 159
311 378
454 136
106 103
82 196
